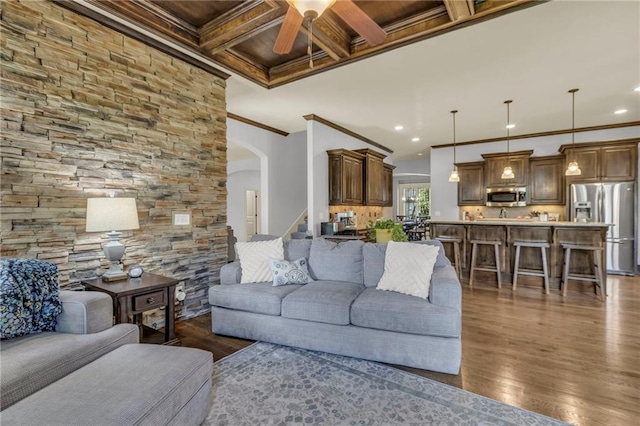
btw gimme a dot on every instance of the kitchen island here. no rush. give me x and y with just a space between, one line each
509 230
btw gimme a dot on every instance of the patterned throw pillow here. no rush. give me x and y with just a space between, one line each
286 272
29 297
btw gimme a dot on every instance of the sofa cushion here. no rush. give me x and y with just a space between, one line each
295 249
30 297
261 298
133 385
408 268
322 301
385 310
254 259
331 261
374 255
31 362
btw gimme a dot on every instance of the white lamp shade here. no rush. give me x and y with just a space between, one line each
111 214
454 177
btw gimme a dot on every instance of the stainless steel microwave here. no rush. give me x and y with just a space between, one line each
507 197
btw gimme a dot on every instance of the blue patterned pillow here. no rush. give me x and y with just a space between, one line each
290 272
29 297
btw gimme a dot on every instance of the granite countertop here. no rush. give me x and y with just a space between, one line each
521 222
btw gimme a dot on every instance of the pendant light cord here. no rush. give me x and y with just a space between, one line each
454 137
508 133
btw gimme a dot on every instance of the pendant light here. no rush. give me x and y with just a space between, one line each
507 173
454 177
573 169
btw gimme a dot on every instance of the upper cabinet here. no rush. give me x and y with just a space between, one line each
547 180
345 177
359 178
606 162
495 164
471 188
373 177
387 185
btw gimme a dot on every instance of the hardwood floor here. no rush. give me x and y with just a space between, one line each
575 359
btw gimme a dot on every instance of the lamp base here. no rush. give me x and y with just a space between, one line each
114 273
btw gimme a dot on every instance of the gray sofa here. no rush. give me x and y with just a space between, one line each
342 312
90 371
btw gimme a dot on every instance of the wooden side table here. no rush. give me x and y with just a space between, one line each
134 296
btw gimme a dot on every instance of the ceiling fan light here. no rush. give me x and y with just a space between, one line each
573 169
454 177
315 8
507 173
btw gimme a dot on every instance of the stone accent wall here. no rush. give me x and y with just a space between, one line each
87 112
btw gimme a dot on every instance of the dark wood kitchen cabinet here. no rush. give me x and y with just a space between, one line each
547 185
345 177
471 189
603 161
387 185
373 172
495 164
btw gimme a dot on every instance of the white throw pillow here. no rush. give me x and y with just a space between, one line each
408 268
254 259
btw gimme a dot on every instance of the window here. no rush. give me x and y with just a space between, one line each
415 201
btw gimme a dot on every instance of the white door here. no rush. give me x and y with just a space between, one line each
251 217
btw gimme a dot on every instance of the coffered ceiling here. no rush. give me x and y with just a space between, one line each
240 35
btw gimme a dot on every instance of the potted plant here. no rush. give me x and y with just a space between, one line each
385 230
535 215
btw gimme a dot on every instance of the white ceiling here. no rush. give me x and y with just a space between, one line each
533 56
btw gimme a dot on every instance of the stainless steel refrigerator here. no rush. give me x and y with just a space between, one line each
610 203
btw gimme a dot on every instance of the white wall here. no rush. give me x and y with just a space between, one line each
444 194
237 184
283 183
321 138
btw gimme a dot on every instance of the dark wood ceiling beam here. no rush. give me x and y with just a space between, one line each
238 24
152 16
298 68
458 9
244 67
330 36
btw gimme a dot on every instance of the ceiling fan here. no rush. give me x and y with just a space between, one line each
347 10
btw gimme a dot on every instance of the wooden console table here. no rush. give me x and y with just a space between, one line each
133 296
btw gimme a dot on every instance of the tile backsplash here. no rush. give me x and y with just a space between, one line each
514 212
363 213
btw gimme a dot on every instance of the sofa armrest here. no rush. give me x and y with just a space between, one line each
445 289
85 312
231 273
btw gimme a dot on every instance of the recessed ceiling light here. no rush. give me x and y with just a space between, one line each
637 89
419 153
399 127
620 111
510 126
415 140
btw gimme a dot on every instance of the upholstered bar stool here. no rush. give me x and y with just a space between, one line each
474 246
455 242
543 246
597 278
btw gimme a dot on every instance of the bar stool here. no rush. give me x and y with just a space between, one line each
456 251
496 245
597 277
543 245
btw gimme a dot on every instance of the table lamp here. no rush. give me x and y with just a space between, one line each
113 215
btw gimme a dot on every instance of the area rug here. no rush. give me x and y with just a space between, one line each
266 384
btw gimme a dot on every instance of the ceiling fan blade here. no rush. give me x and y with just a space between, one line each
359 21
288 31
